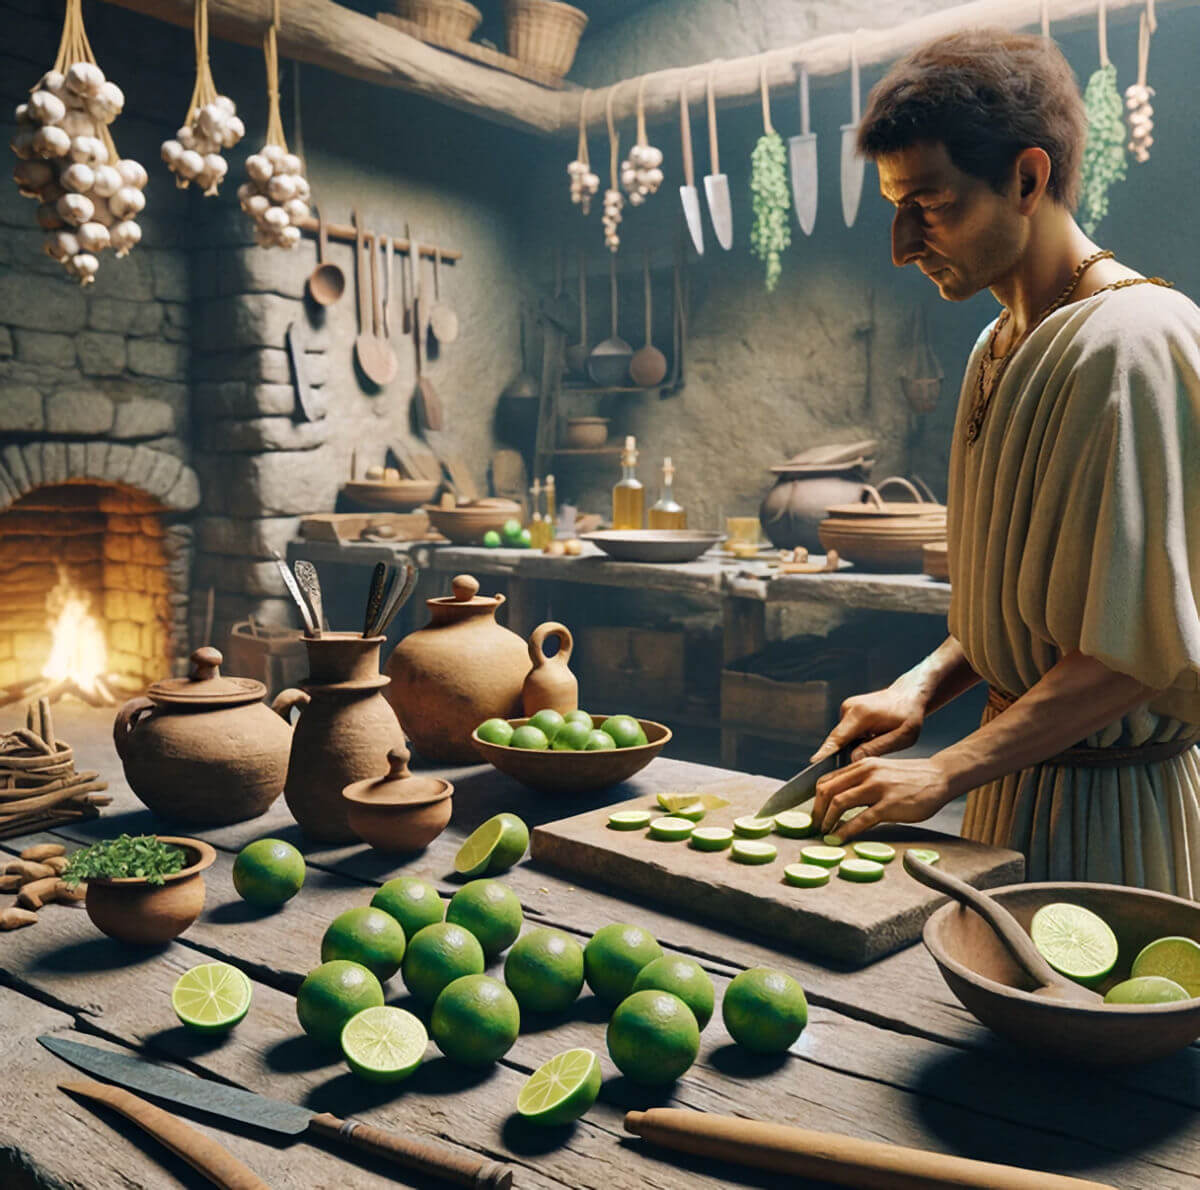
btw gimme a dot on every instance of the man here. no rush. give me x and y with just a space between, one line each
1074 494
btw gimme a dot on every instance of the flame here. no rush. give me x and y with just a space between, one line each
78 651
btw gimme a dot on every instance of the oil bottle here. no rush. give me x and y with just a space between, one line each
667 512
629 497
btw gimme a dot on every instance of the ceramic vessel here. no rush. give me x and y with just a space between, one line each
467 524
586 433
550 683
205 749
457 671
885 535
398 812
344 734
793 509
132 909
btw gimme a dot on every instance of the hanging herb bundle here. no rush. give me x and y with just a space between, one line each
1104 154
771 234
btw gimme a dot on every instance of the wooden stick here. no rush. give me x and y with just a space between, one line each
47 723
16 809
70 782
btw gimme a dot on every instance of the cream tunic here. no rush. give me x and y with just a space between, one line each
1074 523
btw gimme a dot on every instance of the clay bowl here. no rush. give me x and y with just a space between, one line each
575 772
466 524
133 910
398 814
401 495
987 981
586 433
654 545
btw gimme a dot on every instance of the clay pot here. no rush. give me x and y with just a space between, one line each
797 504
205 749
345 732
586 433
398 812
885 535
131 909
550 683
466 524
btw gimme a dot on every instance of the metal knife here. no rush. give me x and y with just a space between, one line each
801 787
232 1103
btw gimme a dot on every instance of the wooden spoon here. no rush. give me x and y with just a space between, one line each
649 365
386 362
443 321
327 282
428 403
373 362
1017 942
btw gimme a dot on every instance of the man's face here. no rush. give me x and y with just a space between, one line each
954 227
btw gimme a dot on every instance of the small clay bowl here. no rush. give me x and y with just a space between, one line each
586 433
131 909
398 812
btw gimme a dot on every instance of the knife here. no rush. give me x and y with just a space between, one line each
232 1103
800 788
688 194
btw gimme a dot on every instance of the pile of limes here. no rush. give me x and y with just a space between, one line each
512 536
576 731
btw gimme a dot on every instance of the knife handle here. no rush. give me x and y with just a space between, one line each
460 1168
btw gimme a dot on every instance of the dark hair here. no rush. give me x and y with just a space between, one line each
986 94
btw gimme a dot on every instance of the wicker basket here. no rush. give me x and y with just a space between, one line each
454 19
543 33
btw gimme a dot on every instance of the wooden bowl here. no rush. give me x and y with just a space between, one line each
466 524
574 772
398 814
986 980
403 495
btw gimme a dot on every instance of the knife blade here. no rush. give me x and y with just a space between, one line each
801 787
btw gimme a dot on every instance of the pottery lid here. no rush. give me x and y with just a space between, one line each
205 685
846 452
398 787
466 594
862 463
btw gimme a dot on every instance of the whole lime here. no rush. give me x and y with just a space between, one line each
475 1020
495 731
653 1037
438 955
544 970
413 902
572 737
490 910
579 717
764 1010
599 741
681 977
614 956
268 872
529 737
365 935
625 730
331 994
526 538
548 721
491 539
511 531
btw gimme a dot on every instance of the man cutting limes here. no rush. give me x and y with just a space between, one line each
1074 494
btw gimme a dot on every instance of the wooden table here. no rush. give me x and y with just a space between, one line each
888 1053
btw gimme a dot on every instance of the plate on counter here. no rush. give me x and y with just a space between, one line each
654 545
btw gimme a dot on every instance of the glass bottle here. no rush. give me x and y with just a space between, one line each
629 497
668 513
551 529
535 515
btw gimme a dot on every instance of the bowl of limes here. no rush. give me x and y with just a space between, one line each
572 753
1137 949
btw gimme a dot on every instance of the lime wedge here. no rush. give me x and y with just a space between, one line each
750 827
862 871
674 803
630 820
493 847
711 838
793 824
384 1044
671 830
1146 989
806 875
925 854
1173 958
881 853
751 851
1075 942
562 1089
211 998
827 857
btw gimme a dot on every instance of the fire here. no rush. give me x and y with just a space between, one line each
78 652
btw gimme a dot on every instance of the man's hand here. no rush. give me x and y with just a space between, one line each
884 721
893 790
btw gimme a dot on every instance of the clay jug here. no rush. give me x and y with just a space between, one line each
345 731
797 504
204 749
550 683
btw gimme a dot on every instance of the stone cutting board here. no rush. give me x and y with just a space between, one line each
853 923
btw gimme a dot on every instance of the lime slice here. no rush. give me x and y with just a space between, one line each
881 853
630 820
493 847
750 827
693 811
384 1044
925 854
711 838
751 851
674 803
862 871
671 830
832 840
211 998
1075 942
562 1089
1172 958
793 824
1146 989
806 875
827 857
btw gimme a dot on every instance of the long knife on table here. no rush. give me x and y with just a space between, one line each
801 787
232 1103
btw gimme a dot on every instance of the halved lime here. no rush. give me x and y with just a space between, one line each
863 871
630 820
671 830
562 1089
1173 958
806 875
750 827
827 857
793 824
881 853
711 838
752 851
925 854
384 1044
493 847
212 997
1075 942
1146 989
673 803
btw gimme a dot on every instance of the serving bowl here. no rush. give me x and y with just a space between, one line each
654 545
398 812
467 523
987 981
574 772
398 495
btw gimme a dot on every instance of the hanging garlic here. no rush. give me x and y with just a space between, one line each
127 202
84 266
78 124
1139 94
124 236
613 201
50 142
75 209
93 237
61 245
640 172
108 181
79 178
48 217
584 183
85 79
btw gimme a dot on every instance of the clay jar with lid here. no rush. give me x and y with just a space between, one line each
399 812
205 749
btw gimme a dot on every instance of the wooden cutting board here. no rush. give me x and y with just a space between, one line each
854 923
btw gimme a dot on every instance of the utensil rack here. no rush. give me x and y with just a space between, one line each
348 235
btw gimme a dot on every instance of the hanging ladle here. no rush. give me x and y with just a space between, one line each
649 365
327 282
608 365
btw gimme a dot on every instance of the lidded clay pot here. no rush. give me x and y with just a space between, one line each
399 812
204 749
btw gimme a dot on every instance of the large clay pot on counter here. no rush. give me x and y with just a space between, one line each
205 749
344 734
886 535
803 492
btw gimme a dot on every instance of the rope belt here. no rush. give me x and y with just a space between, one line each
1082 756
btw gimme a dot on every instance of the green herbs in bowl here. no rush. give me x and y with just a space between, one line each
144 857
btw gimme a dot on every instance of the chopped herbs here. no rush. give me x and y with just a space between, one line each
144 855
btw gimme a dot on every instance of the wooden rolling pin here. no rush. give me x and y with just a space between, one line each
842 1160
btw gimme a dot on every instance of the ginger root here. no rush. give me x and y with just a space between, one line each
40 852
14 919
28 870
